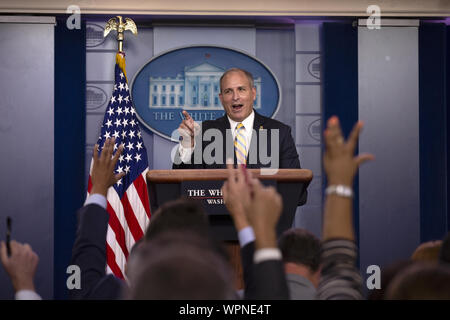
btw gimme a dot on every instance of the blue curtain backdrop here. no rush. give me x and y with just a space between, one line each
447 86
340 85
433 131
70 118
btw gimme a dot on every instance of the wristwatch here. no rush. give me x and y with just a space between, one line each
339 190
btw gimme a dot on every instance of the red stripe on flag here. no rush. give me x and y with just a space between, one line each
131 219
117 228
111 259
142 191
89 184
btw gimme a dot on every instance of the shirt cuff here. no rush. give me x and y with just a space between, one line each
265 254
246 236
27 295
98 199
185 153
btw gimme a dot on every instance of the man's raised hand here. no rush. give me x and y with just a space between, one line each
102 175
339 159
188 130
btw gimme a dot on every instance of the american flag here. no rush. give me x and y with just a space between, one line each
128 203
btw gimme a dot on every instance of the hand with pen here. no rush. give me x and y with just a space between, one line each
188 130
20 264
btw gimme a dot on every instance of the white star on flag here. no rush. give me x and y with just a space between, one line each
128 157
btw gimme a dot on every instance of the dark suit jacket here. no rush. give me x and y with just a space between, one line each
288 156
89 253
265 280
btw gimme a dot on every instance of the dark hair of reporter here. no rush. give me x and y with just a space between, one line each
427 251
183 214
444 254
300 246
179 265
421 281
388 273
180 214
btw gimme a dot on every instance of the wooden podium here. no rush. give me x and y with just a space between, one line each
166 185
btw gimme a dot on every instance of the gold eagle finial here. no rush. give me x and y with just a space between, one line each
120 26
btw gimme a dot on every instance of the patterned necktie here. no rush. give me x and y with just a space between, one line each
240 146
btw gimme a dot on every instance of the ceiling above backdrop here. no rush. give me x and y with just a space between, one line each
287 8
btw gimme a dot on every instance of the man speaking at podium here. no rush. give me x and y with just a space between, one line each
242 134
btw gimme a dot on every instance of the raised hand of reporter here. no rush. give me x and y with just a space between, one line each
339 161
237 195
21 265
263 212
102 175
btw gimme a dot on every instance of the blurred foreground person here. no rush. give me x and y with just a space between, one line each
421 281
179 265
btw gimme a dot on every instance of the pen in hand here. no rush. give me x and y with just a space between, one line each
8 235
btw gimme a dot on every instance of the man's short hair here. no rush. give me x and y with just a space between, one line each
427 251
300 246
179 265
247 74
421 281
388 273
444 254
180 214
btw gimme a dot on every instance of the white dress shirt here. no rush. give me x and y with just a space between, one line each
98 199
27 295
246 235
